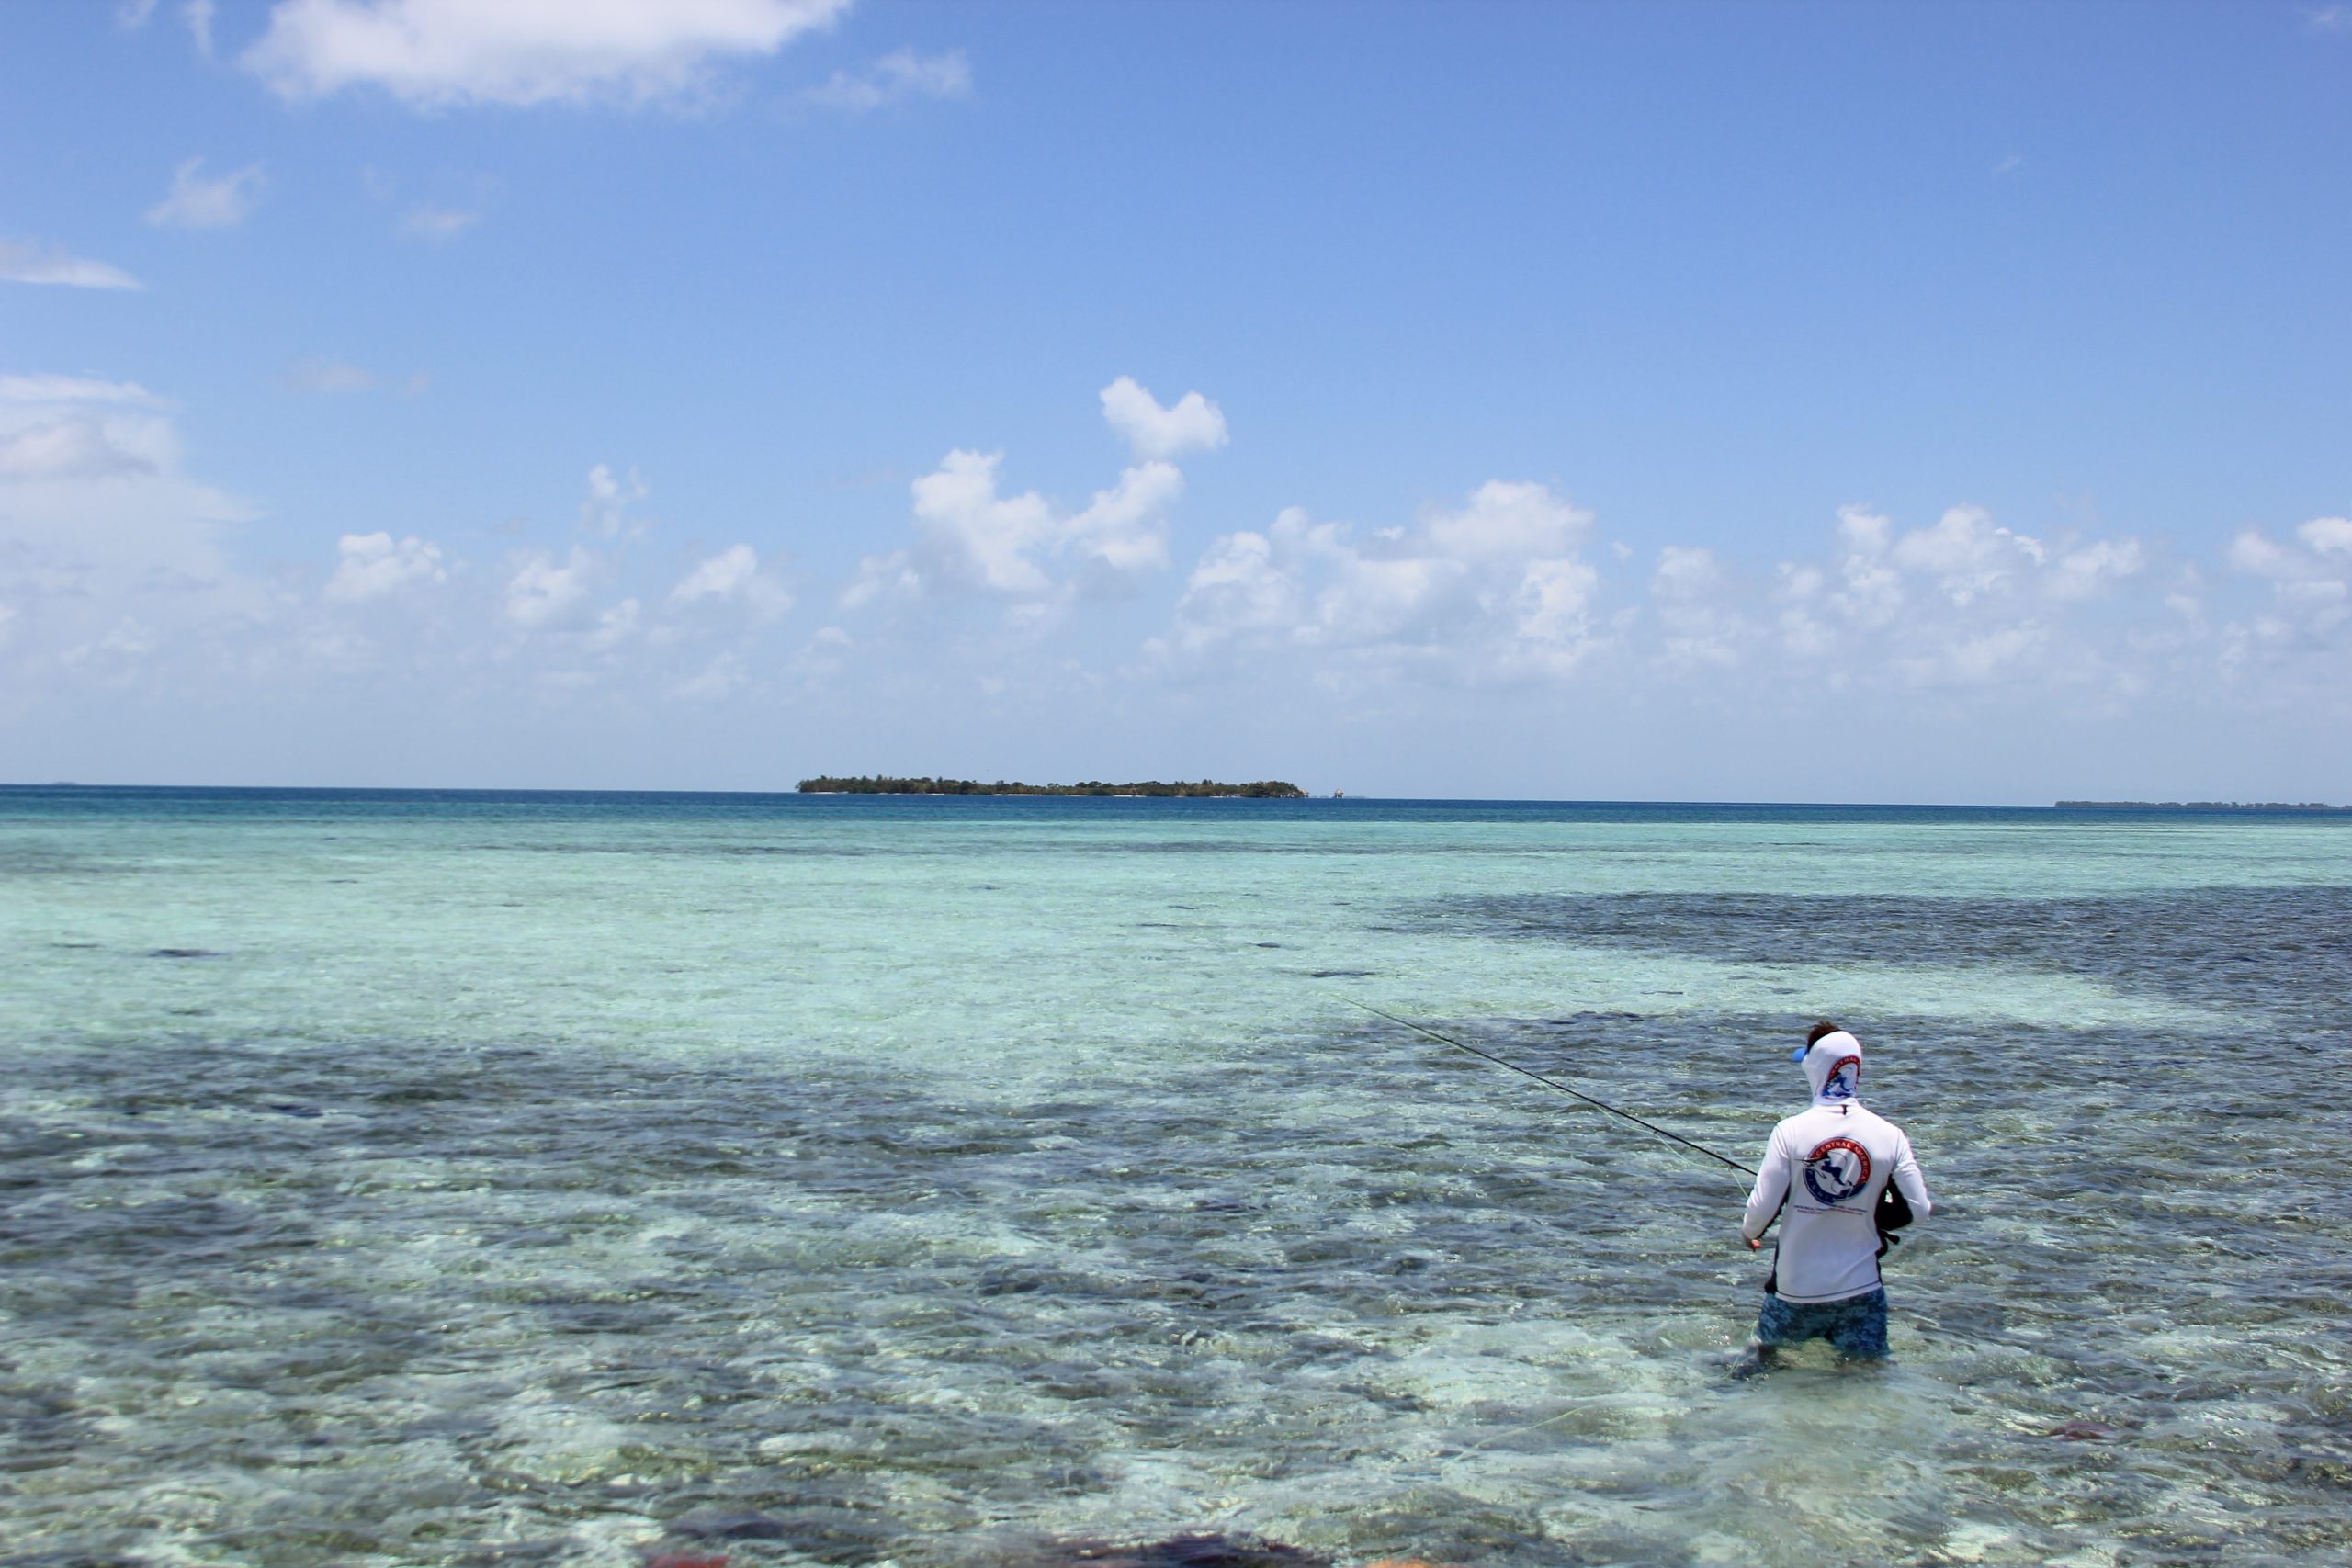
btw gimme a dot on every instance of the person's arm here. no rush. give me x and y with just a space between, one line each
1772 1180
1908 1181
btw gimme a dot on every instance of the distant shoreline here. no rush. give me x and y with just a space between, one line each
551 794
1150 789
2318 805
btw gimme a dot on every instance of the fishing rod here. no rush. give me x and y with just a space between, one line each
1547 1083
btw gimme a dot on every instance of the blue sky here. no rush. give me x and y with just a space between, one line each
1709 401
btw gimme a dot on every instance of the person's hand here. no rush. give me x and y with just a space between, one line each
1754 1243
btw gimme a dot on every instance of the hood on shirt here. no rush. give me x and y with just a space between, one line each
1833 1065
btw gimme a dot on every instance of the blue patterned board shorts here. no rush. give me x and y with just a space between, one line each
1856 1326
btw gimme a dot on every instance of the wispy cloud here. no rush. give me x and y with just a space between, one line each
897 77
196 202
198 15
434 208
22 261
443 53
2330 18
108 548
733 577
69 389
329 376
606 513
437 223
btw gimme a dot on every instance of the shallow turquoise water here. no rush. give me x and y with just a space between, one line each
409 1179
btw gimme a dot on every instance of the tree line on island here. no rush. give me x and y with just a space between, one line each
1264 789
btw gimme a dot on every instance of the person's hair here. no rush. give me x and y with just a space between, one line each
1825 1027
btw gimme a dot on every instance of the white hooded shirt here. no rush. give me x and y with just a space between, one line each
1828 1165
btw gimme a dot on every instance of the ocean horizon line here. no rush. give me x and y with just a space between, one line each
495 792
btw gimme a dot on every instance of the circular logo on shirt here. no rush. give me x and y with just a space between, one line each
1843 1079
1838 1169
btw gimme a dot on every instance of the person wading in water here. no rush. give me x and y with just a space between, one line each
1826 1166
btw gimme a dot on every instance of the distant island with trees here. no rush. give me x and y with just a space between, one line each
1264 789
2198 805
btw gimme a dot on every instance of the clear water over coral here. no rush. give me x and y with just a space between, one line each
407 1178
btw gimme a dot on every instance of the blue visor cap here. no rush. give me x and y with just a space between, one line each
1797 1055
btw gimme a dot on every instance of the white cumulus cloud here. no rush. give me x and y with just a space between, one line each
2254 552
971 539
1124 529
2311 579
1496 587
77 428
2095 568
1195 424
375 565
1240 590
1699 617
978 536
1999 653
1871 592
544 594
1504 520
720 576
2328 536
76 447
439 54
1967 553
196 202
2257 554
108 551
1961 602
733 576
1500 588
1685 572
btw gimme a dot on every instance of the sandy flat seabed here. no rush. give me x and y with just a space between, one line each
396 1180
